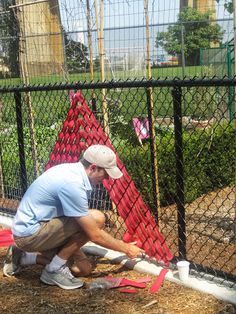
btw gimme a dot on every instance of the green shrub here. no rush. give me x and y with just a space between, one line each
209 160
45 139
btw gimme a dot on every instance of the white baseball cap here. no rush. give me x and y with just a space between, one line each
102 156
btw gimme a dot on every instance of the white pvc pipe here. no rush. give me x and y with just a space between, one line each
221 292
5 221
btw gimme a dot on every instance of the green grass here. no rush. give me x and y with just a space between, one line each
156 73
124 103
171 72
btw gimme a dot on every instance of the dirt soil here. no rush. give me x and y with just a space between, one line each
26 294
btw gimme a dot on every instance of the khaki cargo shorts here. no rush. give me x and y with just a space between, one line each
51 236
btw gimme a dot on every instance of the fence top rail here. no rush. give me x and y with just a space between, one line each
175 82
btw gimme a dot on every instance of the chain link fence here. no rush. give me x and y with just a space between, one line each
176 139
55 41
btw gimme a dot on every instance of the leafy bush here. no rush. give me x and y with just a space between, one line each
45 138
209 160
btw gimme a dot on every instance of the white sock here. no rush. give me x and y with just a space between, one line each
28 259
55 264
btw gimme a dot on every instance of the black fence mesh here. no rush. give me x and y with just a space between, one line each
176 139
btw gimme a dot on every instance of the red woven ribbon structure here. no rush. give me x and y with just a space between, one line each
79 131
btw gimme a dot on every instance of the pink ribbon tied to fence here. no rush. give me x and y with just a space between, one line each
141 127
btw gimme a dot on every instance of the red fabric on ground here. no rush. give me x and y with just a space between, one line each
6 238
159 281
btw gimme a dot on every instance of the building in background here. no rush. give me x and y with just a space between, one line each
200 5
41 40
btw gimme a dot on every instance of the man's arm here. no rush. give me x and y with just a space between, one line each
100 237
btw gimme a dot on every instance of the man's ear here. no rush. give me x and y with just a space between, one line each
93 167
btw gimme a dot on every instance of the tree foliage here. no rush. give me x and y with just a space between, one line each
228 5
76 55
198 32
9 32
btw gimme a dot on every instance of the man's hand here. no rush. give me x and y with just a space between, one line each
134 251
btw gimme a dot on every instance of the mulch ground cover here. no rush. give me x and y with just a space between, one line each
27 294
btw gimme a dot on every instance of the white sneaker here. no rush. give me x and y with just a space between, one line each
62 278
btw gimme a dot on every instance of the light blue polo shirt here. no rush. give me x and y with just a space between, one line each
62 190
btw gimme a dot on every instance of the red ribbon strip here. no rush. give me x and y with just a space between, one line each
158 282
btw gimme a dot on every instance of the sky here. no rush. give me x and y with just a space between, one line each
118 13
124 22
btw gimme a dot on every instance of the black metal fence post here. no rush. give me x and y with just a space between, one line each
19 121
94 106
176 94
153 154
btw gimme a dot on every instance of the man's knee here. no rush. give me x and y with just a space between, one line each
99 217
